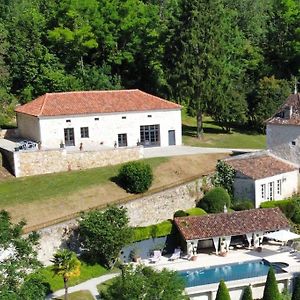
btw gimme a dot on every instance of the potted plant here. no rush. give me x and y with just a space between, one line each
134 255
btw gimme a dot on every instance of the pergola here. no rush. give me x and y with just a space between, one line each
221 227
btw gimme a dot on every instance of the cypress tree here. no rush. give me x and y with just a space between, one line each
271 291
296 291
247 294
223 293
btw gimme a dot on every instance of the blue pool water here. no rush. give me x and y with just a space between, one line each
195 277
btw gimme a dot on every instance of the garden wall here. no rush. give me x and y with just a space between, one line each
27 163
143 211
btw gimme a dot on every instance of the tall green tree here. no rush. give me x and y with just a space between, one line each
271 291
200 72
247 293
17 259
145 283
222 293
67 265
104 233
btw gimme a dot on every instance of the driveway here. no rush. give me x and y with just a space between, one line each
188 150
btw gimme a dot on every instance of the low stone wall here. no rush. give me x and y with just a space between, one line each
143 211
27 163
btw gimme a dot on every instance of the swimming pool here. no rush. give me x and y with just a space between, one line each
248 269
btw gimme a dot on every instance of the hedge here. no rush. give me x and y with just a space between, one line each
152 231
196 211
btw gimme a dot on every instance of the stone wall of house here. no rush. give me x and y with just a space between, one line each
27 163
143 211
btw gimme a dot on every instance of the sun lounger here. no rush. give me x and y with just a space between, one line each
176 254
156 256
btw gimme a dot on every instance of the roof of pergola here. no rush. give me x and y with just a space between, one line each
231 224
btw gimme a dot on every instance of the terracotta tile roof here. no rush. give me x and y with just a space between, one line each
260 166
88 102
231 224
292 101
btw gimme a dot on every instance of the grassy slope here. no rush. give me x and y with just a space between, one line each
58 184
214 136
81 295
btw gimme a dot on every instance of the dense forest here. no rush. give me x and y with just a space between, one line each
235 60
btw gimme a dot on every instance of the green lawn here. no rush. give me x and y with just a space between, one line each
81 295
214 136
25 190
87 272
104 286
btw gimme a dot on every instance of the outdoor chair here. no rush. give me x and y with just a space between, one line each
156 256
176 254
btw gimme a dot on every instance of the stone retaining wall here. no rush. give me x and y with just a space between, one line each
27 163
143 211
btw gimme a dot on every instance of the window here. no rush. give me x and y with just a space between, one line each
84 131
122 140
263 191
123 117
293 143
270 191
149 135
96 119
279 187
68 121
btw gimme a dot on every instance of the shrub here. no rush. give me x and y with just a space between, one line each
214 200
222 293
271 291
224 176
180 213
196 211
243 205
296 291
136 177
247 294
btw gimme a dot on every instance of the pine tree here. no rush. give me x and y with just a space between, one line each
247 294
271 291
296 291
222 293
201 73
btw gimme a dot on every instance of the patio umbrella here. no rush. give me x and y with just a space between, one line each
282 235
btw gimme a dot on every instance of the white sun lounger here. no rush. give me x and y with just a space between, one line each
156 256
176 254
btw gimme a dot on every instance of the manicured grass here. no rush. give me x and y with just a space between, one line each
196 211
214 136
81 295
87 271
105 285
143 233
24 190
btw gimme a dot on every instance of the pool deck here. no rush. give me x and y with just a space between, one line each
272 252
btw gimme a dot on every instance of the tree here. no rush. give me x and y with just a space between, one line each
247 294
147 284
215 200
200 73
67 265
135 177
104 233
224 176
296 291
222 293
269 95
18 259
271 291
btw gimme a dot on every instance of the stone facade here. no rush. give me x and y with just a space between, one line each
143 211
27 163
284 141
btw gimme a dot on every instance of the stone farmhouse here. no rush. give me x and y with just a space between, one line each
81 130
272 174
100 118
